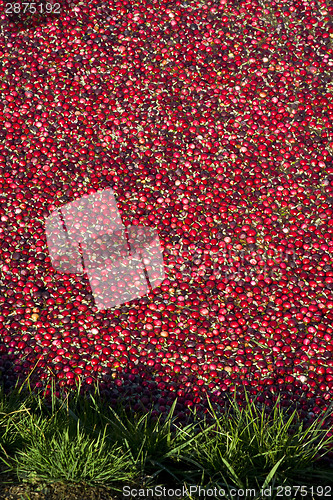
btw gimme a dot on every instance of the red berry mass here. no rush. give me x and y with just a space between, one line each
212 123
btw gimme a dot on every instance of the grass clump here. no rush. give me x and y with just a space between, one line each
248 447
73 457
78 439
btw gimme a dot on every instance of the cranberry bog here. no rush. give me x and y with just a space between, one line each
211 122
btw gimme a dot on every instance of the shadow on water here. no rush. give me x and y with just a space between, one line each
8 376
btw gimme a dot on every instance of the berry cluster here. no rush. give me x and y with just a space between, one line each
212 122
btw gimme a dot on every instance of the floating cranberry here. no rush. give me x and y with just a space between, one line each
225 150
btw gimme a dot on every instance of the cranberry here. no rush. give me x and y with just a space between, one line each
221 143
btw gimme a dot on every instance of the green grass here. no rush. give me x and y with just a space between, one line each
249 448
80 440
